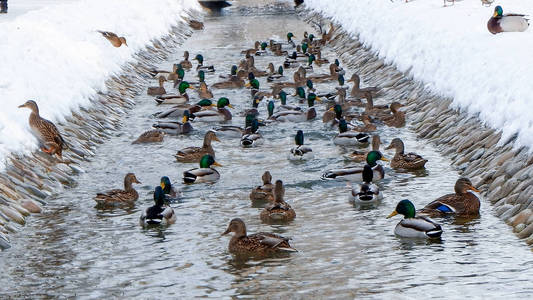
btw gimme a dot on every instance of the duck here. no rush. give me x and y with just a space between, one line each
186 63
195 24
219 115
378 111
175 127
300 152
204 92
261 244
332 116
367 124
261 51
200 59
234 82
506 23
257 44
251 138
114 39
193 154
277 76
319 60
255 104
462 202
355 173
50 139
177 74
402 160
233 131
398 117
310 61
159 213
290 42
347 137
283 99
359 92
205 173
157 90
333 75
180 98
278 210
150 136
233 72
171 192
263 192
116 197
178 110
367 192
298 116
412 226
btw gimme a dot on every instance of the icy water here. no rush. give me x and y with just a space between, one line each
75 250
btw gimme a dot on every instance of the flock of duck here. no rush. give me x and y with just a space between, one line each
351 110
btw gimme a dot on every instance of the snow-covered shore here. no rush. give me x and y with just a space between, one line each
451 50
55 56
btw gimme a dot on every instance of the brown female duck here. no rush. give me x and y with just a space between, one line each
186 63
259 244
398 117
114 39
119 197
150 136
461 203
402 160
157 90
48 135
279 210
357 91
193 154
263 192
204 92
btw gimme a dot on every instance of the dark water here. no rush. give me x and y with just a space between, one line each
74 249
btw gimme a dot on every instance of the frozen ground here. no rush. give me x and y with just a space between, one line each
451 50
50 52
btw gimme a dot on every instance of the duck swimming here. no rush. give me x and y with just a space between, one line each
175 127
367 192
200 59
300 152
205 173
402 160
355 173
219 115
159 214
278 210
263 192
462 202
193 154
116 197
412 226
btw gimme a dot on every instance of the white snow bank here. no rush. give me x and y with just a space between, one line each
451 50
54 56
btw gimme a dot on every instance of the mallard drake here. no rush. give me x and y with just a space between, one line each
177 74
193 154
360 156
414 226
157 90
283 99
278 76
47 134
261 51
233 72
219 115
182 98
259 244
114 39
200 59
355 173
171 192
290 42
298 116
119 197
300 152
186 63
407 161
159 214
333 116
150 136
175 127
234 131
350 138
205 173
255 104
357 91
179 110
461 203
251 138
265 191
367 192
310 61
278 210
506 23
204 92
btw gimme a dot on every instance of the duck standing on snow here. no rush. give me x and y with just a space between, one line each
259 244
300 152
205 173
279 210
461 203
114 39
159 214
414 226
119 197
50 140
506 23
402 160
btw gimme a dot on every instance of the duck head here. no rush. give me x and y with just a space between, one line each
405 208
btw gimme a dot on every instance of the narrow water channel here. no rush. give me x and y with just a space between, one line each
74 249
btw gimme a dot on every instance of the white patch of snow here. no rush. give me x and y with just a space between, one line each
451 50
55 56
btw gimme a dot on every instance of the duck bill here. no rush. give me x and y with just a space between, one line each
163 185
217 164
22 106
185 119
247 85
215 138
392 214
191 87
137 181
331 109
226 232
318 99
230 106
474 189
384 159
388 147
